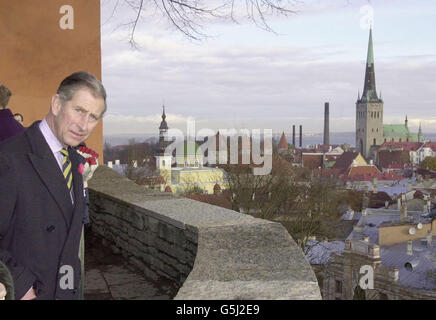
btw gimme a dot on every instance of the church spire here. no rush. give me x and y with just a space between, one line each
163 131
163 124
369 89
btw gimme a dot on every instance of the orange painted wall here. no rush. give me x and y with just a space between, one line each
36 54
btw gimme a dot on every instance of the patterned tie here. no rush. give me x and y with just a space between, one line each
66 168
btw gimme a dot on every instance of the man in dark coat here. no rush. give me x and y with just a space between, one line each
41 206
8 125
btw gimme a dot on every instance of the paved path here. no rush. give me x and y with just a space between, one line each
109 277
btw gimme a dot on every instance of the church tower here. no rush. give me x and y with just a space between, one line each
369 110
163 160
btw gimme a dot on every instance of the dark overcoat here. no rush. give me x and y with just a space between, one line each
40 228
8 125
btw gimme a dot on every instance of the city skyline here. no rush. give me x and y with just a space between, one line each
248 78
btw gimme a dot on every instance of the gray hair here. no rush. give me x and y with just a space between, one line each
5 95
79 80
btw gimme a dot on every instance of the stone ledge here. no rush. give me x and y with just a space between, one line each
237 256
248 290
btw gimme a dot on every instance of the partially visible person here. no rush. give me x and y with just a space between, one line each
8 125
19 118
6 283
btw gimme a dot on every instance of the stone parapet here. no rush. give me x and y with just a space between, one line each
208 251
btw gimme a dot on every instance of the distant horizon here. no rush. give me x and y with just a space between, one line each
336 138
274 133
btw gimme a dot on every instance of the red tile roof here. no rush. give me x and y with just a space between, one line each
345 160
431 145
409 146
363 172
312 161
393 158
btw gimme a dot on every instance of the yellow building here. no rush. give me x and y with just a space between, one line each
189 175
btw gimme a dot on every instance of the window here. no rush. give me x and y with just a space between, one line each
338 286
374 142
163 163
400 140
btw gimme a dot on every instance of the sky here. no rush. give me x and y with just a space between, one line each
245 77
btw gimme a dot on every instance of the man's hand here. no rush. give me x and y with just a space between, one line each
29 295
2 292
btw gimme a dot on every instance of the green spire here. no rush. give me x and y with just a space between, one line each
370 58
369 89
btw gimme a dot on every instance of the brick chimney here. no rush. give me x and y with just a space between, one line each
395 274
429 238
410 247
403 211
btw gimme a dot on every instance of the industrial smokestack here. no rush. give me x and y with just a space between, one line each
293 135
326 124
301 136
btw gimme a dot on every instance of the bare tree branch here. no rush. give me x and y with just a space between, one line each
190 16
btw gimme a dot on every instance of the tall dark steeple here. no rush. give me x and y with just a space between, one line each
369 110
369 88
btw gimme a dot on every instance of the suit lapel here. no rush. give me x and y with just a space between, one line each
46 166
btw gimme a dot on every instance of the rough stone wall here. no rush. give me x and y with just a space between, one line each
156 247
208 251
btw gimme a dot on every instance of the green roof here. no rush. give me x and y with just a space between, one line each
414 137
399 130
395 130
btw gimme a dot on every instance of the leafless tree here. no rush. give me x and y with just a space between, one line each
308 207
139 161
190 16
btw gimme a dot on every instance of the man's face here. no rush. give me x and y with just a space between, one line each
75 120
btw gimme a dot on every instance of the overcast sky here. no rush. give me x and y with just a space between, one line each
244 77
